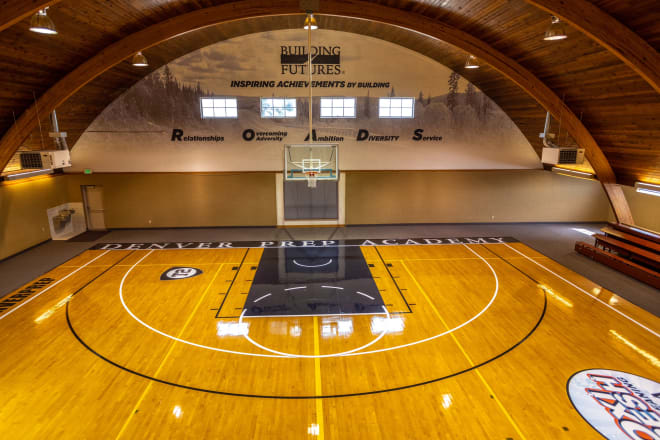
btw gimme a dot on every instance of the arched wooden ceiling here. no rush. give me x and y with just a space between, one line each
618 104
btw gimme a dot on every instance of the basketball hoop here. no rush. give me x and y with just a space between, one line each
311 178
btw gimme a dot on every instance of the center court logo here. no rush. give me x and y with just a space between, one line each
179 273
621 406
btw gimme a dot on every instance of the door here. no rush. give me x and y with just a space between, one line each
94 212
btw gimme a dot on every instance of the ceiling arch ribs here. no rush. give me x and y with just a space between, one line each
162 31
610 33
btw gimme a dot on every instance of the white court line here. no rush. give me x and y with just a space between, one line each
585 292
318 265
348 353
262 297
308 356
364 294
50 287
295 288
333 287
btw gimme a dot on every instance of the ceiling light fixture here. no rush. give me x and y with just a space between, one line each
139 60
555 31
42 24
472 62
573 173
647 188
310 21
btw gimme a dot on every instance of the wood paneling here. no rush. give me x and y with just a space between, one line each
616 105
610 33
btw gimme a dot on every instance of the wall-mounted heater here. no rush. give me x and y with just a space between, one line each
553 154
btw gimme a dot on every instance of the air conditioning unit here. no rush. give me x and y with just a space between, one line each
559 156
45 159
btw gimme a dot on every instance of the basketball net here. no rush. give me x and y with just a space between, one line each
311 178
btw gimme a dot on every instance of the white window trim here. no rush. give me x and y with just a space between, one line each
354 98
201 108
261 109
396 117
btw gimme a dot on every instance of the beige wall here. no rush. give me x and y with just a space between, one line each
23 205
182 200
645 208
472 196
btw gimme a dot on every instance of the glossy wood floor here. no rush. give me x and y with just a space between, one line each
479 344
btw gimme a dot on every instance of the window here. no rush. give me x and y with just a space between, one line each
337 107
219 108
396 108
278 107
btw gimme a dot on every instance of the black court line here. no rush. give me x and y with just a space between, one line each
394 281
102 273
330 396
511 264
229 288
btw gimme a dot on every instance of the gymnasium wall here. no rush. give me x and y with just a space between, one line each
645 208
472 197
23 205
159 200
161 124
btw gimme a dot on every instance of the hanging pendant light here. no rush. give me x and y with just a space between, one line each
555 31
472 62
42 24
139 60
310 21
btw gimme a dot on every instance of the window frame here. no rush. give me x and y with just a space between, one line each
332 107
295 107
225 107
397 98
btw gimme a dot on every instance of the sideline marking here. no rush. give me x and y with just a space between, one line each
585 292
12 310
348 353
169 352
472 364
318 389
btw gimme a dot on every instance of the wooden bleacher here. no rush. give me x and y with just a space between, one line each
628 249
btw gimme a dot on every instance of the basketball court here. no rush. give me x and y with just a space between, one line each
395 338
329 220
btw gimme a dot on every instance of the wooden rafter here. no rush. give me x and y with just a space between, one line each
610 33
153 35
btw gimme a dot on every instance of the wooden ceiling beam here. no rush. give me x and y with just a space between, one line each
609 33
153 35
14 11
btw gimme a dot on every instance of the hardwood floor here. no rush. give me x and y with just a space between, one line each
478 341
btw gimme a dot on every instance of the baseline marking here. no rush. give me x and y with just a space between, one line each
585 292
12 310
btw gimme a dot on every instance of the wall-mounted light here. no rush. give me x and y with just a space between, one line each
42 24
573 173
555 31
472 62
139 60
647 188
310 21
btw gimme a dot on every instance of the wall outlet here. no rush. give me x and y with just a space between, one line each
149 221
492 217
